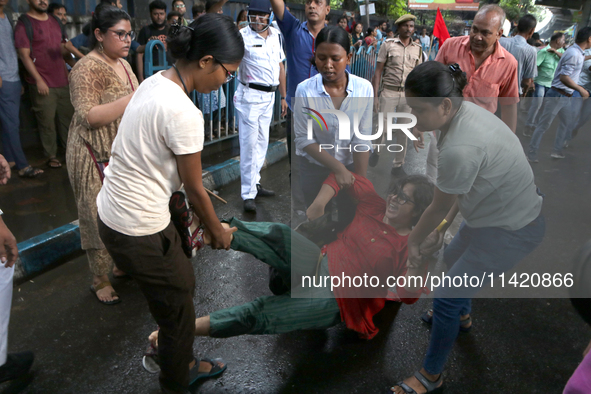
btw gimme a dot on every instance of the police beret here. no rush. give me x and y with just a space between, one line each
405 18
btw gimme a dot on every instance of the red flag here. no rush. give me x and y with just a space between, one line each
440 30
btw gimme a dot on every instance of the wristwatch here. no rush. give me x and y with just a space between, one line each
282 98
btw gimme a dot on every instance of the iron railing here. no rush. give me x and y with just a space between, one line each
218 107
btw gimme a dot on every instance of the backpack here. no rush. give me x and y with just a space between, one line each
26 21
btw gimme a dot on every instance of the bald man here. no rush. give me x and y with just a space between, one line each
491 70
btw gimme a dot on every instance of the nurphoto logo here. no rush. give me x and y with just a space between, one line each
344 132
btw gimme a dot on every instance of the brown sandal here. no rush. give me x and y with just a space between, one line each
102 285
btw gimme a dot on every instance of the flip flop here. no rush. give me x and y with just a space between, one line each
194 375
102 285
150 361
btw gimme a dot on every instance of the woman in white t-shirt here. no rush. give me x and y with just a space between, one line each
157 149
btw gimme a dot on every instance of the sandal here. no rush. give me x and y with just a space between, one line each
150 362
54 163
432 387
30 172
102 285
195 375
465 325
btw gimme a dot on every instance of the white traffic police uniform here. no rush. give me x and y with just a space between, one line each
258 71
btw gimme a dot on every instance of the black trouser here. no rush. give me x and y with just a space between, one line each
165 276
311 178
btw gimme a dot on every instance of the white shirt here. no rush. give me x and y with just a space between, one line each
312 94
260 63
425 41
159 123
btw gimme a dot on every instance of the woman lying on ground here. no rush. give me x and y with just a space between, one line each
373 244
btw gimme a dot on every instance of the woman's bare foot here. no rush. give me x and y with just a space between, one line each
414 383
104 294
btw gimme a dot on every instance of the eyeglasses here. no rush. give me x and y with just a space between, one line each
179 6
229 76
402 199
124 34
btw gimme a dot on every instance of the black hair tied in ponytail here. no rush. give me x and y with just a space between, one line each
211 34
179 40
435 80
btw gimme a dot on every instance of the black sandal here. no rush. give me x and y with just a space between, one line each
30 172
218 366
432 387
54 163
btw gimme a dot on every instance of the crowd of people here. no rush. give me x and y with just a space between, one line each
133 140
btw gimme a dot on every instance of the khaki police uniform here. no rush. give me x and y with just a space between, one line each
399 61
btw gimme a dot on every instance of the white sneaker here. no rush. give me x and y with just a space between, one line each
557 156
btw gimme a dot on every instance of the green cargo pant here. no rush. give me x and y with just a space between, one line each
52 110
278 245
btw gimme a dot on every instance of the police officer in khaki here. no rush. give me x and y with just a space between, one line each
396 59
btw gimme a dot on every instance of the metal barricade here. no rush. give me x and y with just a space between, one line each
363 61
149 67
219 112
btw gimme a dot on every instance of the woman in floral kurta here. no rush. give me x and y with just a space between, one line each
96 82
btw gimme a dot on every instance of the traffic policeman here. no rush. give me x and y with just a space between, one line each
396 59
260 74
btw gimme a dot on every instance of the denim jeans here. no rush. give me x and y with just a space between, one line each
474 251
567 109
536 102
10 100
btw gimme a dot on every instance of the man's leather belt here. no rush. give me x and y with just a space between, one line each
395 88
262 88
564 93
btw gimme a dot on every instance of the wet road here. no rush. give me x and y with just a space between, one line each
516 346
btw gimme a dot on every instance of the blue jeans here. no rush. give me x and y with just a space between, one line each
567 109
10 100
474 251
537 99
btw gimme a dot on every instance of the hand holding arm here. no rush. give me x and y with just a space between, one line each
189 167
431 218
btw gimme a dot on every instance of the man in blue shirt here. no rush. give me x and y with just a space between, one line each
299 46
563 99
